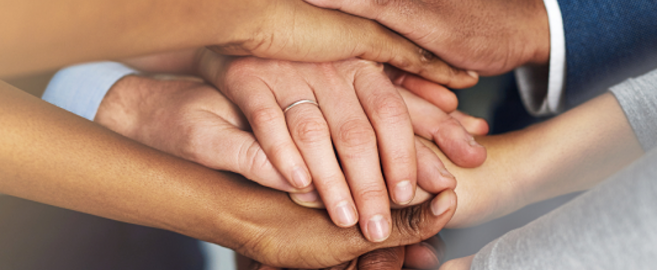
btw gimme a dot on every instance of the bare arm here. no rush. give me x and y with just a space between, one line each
39 35
53 157
571 152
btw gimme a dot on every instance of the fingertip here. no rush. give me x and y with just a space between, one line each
483 128
300 177
473 74
443 203
378 228
403 192
463 79
344 214
309 199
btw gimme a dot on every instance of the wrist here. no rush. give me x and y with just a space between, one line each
119 110
539 34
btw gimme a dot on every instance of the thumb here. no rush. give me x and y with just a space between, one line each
414 224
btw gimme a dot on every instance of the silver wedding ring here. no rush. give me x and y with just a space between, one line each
303 101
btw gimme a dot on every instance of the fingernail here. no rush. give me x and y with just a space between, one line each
473 74
346 214
472 142
310 197
300 177
445 173
441 204
404 192
378 228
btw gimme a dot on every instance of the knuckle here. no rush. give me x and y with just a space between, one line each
252 158
391 108
426 57
357 133
443 128
401 158
280 150
193 144
405 64
372 192
262 116
331 179
408 221
311 130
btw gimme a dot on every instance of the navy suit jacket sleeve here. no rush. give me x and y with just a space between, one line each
607 41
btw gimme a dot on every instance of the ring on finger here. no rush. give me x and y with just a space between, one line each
299 102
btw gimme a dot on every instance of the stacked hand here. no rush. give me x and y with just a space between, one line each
360 111
490 37
265 227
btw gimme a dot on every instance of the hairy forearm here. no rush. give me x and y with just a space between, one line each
571 152
46 34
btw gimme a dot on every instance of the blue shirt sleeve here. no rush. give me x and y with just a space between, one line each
80 89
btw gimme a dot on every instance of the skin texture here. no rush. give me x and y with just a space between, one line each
362 114
424 255
592 129
39 35
193 121
169 193
574 151
490 37
190 104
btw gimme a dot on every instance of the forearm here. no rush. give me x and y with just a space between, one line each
50 156
568 153
576 150
47 34
609 227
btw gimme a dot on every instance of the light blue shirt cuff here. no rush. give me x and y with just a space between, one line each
80 89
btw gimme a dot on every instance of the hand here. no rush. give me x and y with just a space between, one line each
424 255
490 37
191 120
263 231
435 123
529 165
360 108
296 31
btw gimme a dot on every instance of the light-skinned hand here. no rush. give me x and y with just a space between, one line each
362 114
264 230
194 121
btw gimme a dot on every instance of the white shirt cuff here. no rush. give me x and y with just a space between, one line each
532 81
80 89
